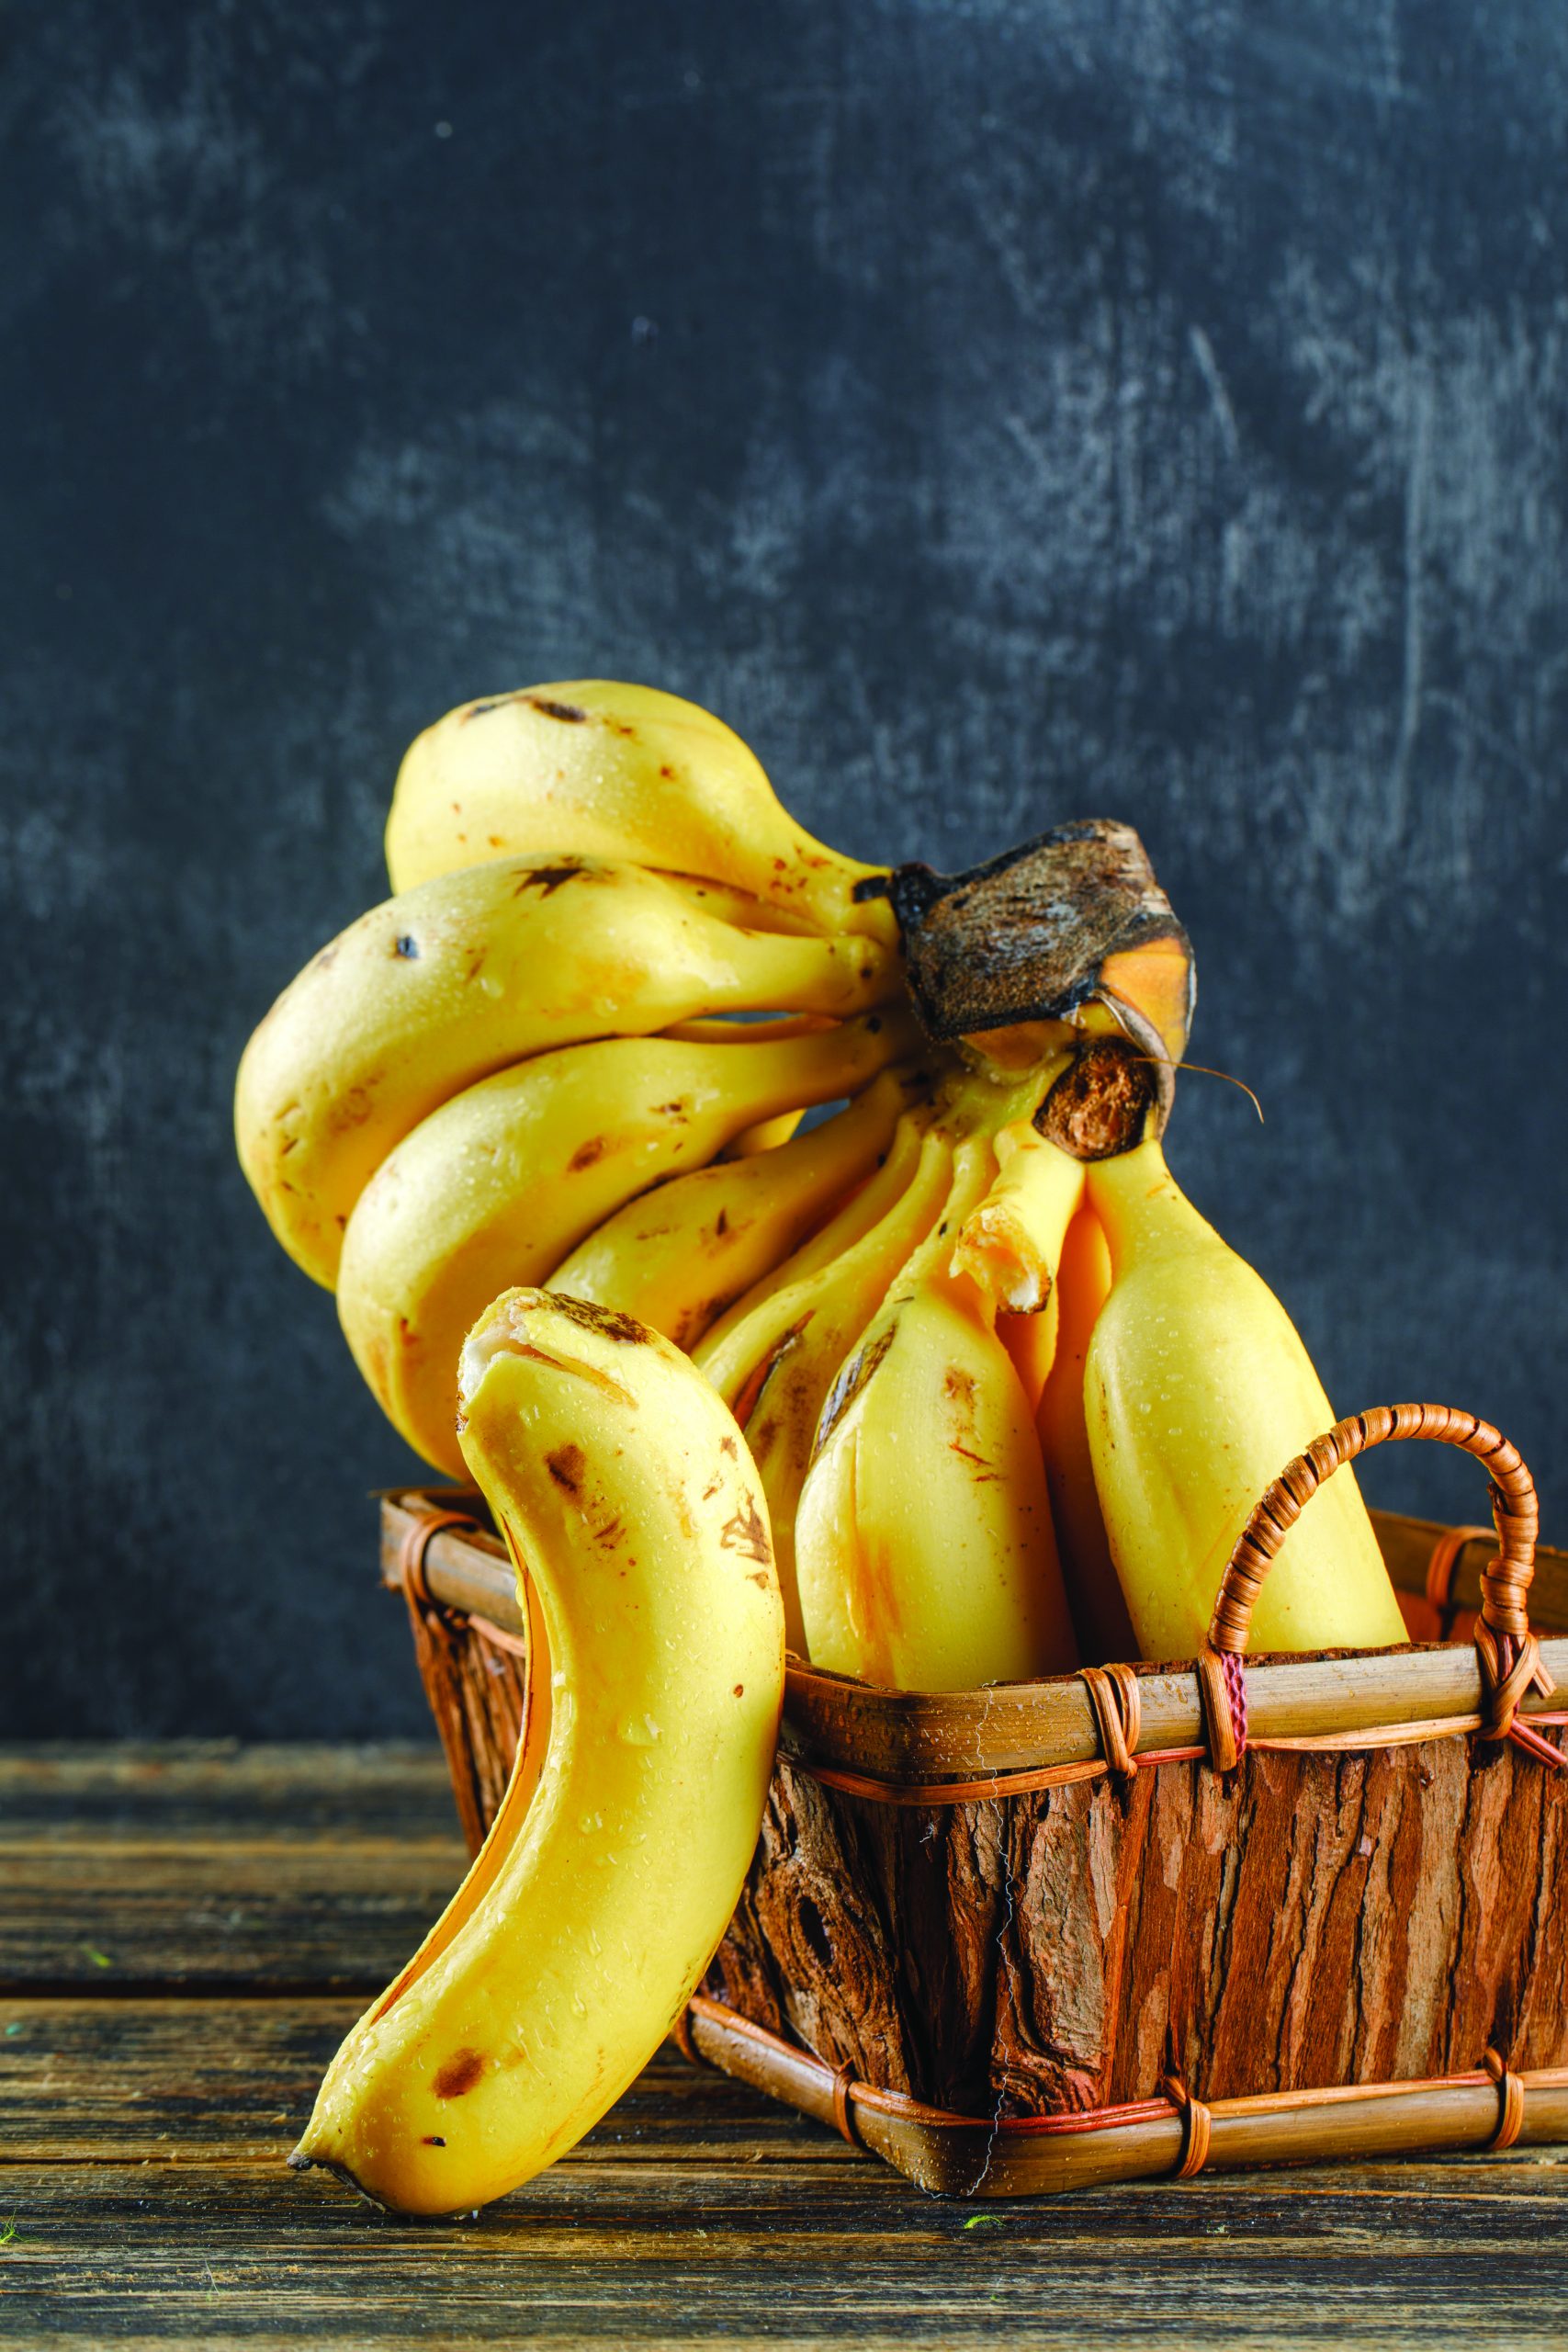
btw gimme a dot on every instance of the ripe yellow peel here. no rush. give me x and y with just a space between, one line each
1082 1286
618 1476
497 1185
776 1368
924 1551
676 1257
1198 1392
476 970
728 1351
601 769
1010 1244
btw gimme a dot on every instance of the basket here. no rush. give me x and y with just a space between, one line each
1138 1920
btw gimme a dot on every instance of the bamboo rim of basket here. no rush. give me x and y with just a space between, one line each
1177 2134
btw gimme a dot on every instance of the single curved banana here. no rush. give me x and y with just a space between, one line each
433 990
677 1256
619 1479
1198 1392
775 1367
1094 1589
500 1183
599 769
924 1551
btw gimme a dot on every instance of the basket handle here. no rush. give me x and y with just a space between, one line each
1509 1653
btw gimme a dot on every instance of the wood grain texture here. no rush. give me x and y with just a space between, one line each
176 2080
697 2250
143 2201
1309 1920
250 1868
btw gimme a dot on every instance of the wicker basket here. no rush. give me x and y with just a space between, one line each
1136 1920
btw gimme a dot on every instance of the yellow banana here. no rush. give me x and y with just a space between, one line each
775 1366
1198 1392
924 1551
1011 1244
726 1366
676 1257
599 769
1094 1591
474 970
617 1476
501 1183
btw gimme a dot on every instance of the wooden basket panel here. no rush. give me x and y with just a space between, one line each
1308 1920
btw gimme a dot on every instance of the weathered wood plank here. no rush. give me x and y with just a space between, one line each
183 2081
689 2253
93 1792
262 1915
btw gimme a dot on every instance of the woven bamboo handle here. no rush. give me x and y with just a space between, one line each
1508 1652
1506 1580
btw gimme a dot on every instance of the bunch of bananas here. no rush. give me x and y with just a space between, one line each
953 1386
1008 1397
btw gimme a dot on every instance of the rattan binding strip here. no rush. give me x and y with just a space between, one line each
1511 2099
417 1544
1197 2127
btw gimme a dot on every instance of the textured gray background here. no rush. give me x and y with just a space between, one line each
999 411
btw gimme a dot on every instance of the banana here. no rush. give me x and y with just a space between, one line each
599 769
1198 1392
474 970
924 1550
1010 1244
775 1366
1099 1612
678 1256
863 1210
617 1476
500 1183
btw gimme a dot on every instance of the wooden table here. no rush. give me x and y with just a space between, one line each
185 1934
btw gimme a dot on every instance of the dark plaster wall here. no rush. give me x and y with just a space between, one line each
999 410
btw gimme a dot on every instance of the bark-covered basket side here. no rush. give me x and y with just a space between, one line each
1306 1920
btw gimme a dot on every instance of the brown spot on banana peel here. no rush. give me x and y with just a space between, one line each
852 1379
608 1321
1106 1101
567 712
459 2074
566 1466
958 1389
745 1533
